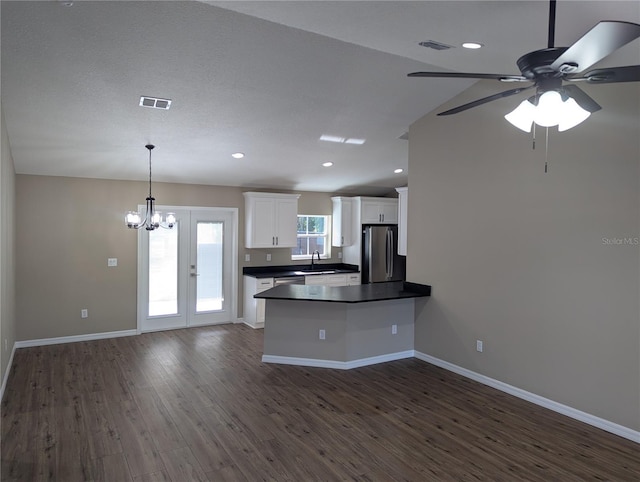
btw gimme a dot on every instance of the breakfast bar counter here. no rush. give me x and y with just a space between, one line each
395 290
340 327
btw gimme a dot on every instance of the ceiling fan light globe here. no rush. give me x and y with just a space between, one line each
522 116
572 115
549 107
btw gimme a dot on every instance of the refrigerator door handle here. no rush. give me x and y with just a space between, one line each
388 255
370 267
391 253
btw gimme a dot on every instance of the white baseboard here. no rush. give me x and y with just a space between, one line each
255 326
74 338
574 413
5 377
339 365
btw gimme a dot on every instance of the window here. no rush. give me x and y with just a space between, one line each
313 235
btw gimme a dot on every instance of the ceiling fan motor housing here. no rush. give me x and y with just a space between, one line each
538 63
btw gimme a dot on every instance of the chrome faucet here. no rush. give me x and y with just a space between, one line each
312 255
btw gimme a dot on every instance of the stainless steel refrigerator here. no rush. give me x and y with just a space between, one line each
380 258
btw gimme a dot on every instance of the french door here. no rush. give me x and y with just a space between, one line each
187 276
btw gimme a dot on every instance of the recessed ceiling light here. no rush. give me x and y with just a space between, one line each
327 164
472 45
398 171
342 140
351 140
328 138
237 155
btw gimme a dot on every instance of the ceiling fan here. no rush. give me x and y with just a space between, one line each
549 68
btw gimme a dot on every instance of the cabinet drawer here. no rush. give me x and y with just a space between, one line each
264 284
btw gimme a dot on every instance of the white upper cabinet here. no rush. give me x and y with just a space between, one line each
270 220
342 221
379 211
403 194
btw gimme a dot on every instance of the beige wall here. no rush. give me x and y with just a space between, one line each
7 259
68 229
516 257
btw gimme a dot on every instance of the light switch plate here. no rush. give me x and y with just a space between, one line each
268 256
247 257
112 261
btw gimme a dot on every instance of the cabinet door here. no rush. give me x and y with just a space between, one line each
371 213
263 285
342 223
402 220
336 280
389 212
315 279
262 223
353 279
287 223
253 308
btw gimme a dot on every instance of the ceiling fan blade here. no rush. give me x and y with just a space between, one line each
630 73
467 75
603 39
581 98
484 100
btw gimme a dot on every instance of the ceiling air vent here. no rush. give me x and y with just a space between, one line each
432 44
155 102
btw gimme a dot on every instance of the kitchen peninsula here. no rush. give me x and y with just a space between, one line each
340 327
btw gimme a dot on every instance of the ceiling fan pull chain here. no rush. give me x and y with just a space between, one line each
546 151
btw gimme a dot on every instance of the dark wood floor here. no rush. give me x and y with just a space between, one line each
197 404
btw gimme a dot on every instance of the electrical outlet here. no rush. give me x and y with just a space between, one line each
112 262
268 256
321 334
479 345
247 257
339 254
84 313
394 329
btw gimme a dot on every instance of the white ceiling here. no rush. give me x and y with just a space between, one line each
265 78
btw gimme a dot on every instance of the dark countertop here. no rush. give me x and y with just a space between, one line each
394 290
294 269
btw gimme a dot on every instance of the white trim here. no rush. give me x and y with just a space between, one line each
255 326
5 377
574 413
339 365
183 319
74 338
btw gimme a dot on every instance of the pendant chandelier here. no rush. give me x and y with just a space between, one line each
152 218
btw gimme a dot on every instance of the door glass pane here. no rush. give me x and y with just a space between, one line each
209 296
163 271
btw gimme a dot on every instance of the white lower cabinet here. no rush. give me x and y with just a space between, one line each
254 309
333 279
353 279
